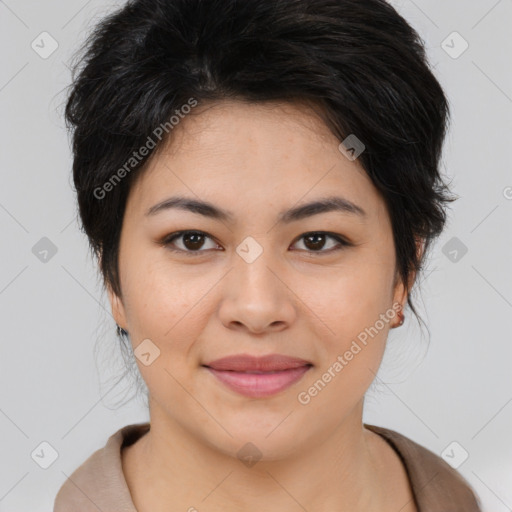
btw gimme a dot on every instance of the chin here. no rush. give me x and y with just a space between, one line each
268 436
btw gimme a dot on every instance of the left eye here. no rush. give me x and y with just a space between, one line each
193 241
316 240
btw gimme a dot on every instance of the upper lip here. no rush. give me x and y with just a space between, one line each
248 363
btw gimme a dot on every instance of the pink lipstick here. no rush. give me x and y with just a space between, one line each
258 377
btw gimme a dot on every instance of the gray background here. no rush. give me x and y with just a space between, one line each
59 359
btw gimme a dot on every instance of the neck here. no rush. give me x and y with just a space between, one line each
171 469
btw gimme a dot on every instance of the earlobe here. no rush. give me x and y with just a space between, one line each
401 292
399 300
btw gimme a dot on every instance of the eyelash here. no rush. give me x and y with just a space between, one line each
167 241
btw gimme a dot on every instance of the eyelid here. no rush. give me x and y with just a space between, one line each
168 239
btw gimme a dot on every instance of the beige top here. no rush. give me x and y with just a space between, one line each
99 485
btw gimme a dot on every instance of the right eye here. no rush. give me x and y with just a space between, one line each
192 241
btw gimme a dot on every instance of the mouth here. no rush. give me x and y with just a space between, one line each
258 377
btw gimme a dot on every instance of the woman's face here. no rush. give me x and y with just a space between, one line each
261 278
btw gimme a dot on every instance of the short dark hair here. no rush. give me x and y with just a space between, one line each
358 62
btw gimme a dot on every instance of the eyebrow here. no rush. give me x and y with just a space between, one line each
324 205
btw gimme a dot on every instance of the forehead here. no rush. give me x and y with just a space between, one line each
240 153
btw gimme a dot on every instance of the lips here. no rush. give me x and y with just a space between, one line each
246 363
258 377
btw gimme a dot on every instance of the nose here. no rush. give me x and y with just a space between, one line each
256 298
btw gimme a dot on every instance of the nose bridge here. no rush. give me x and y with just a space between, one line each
254 295
255 268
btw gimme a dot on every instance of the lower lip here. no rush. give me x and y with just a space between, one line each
259 385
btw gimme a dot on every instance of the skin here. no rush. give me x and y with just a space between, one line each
257 160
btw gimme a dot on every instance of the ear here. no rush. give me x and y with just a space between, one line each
116 304
401 292
117 307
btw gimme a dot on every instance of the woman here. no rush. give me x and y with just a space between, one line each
260 183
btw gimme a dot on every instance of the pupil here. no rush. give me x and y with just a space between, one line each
192 243
318 241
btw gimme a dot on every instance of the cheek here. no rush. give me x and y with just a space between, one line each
166 306
167 309
355 311
351 354
172 310
351 298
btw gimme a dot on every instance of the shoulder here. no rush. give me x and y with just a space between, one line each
435 484
99 483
